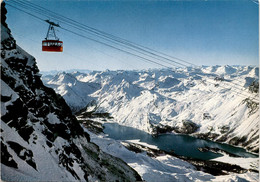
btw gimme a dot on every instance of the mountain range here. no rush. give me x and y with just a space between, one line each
42 139
214 102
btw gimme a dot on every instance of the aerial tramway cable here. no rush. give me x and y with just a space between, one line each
103 35
89 38
100 34
80 26
120 49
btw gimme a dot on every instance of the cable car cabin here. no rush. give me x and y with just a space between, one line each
52 45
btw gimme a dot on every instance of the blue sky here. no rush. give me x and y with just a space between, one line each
201 32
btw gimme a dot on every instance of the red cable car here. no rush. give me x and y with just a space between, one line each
52 45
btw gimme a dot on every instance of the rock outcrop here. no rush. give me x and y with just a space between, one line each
41 140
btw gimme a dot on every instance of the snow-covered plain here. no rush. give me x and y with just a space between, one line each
246 163
212 97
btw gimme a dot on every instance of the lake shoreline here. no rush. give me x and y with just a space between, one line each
216 168
181 144
198 137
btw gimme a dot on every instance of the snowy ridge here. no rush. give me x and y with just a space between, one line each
212 98
63 82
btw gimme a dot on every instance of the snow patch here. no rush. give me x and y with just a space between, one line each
53 119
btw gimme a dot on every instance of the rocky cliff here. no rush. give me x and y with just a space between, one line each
40 138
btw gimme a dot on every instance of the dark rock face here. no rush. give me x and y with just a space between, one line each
206 116
254 87
34 119
6 158
159 129
23 153
188 127
3 14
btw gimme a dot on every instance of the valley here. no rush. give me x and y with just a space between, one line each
183 100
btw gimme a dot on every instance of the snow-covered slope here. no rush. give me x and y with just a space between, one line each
79 95
40 138
209 102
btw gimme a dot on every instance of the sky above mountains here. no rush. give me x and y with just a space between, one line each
201 32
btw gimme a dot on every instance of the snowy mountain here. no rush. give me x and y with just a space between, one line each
55 72
40 138
212 102
79 95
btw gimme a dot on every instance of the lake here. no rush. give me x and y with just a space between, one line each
181 144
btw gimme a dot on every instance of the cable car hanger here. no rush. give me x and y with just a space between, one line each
52 42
